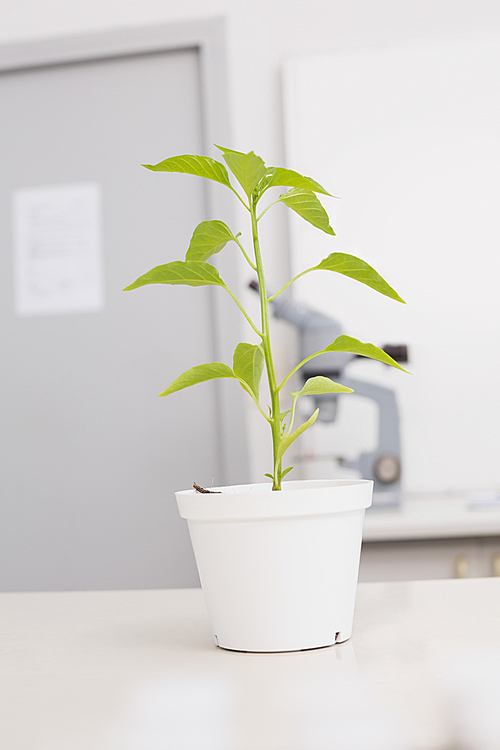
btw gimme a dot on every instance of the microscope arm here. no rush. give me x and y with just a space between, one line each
389 443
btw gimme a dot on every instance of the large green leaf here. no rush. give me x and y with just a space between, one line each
287 441
355 268
208 238
279 176
189 272
201 166
198 374
248 169
307 205
248 363
318 385
354 346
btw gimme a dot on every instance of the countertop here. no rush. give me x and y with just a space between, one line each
138 670
431 516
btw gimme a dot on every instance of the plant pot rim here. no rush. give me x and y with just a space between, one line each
309 497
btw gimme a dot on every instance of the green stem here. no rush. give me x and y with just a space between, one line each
259 407
292 416
248 318
266 345
297 367
252 265
267 209
291 282
239 197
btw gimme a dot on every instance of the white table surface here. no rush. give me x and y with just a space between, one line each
138 670
438 515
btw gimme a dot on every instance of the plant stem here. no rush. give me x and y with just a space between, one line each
297 367
256 401
244 253
268 358
291 282
292 416
267 209
239 197
247 316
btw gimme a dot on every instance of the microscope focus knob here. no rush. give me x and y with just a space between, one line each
387 468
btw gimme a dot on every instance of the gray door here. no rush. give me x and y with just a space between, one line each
90 456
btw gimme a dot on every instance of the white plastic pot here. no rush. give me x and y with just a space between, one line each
278 569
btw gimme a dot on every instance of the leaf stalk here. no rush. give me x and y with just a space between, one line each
267 209
247 316
239 198
296 368
252 265
289 283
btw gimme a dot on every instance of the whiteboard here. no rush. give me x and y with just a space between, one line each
409 139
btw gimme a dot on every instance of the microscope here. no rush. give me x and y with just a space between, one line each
316 332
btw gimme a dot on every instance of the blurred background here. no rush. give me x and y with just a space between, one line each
395 108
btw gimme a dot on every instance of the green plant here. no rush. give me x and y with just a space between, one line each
210 237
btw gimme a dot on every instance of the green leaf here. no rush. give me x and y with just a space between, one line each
286 442
307 205
189 272
248 169
285 471
248 363
279 176
201 166
355 268
350 344
199 374
208 238
319 384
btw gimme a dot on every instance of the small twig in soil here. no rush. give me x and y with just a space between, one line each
204 491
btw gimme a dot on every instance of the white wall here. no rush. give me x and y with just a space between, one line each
409 137
261 34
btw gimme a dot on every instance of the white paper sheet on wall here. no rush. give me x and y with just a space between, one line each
57 246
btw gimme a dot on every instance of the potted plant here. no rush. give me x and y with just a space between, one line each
278 561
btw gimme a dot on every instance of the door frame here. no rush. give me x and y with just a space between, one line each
207 37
